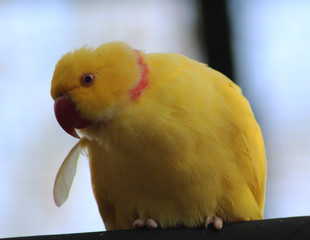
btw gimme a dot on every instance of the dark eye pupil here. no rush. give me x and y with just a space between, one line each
88 79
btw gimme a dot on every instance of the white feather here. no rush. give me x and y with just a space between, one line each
65 175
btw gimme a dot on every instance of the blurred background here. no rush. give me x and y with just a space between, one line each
263 45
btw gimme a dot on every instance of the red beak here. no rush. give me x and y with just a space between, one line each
67 116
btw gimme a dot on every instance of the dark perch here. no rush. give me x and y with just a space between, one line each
281 228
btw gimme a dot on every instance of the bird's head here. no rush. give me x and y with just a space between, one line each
90 86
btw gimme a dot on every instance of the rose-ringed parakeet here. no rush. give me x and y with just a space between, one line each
171 142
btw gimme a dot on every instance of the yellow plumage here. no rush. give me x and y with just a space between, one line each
187 148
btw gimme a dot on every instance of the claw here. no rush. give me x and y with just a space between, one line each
217 222
139 223
149 224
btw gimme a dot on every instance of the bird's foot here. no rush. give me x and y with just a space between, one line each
149 223
216 221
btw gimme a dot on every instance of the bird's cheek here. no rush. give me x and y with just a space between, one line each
67 116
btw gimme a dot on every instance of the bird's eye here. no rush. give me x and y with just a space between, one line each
87 79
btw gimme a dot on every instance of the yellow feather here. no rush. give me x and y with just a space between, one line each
66 173
189 147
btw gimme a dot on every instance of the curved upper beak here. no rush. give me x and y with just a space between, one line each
68 117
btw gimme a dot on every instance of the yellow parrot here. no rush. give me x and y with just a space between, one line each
171 142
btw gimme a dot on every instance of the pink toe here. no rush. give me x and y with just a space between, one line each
151 224
139 223
208 221
218 223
